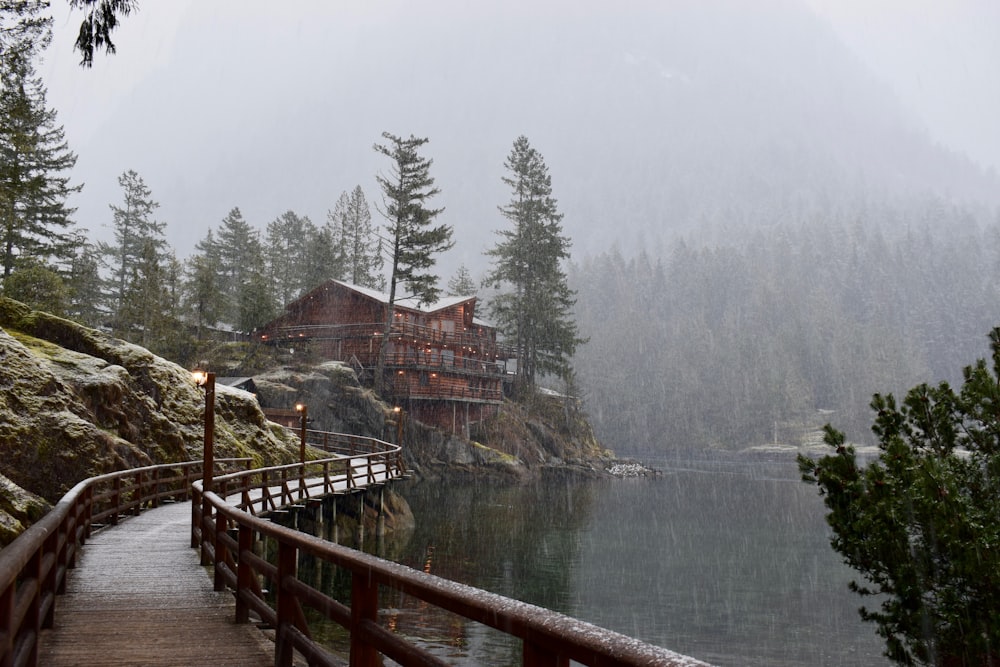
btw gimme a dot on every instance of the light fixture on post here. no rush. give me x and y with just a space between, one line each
206 380
303 411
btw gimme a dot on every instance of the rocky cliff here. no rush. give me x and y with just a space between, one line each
548 436
75 403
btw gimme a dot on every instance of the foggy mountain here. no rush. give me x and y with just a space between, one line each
653 118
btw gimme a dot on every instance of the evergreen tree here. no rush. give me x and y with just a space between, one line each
323 259
146 302
37 286
921 522
536 313
85 286
34 171
287 250
100 20
237 248
255 298
359 241
138 238
462 284
203 291
25 30
406 191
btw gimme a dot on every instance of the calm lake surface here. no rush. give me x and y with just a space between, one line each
726 562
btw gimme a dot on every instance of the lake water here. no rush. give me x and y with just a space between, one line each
726 562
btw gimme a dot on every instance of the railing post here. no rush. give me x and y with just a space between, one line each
156 488
138 492
244 573
535 656
221 550
88 512
195 517
364 608
116 500
286 605
207 530
33 618
6 625
47 582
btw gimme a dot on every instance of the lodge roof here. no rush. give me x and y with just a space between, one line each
408 303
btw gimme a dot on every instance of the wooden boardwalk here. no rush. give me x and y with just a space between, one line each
138 597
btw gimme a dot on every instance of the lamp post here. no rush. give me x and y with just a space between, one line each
207 381
303 411
400 415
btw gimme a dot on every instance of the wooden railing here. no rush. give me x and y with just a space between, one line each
484 345
33 567
548 638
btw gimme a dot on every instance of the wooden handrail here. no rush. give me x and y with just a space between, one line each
548 638
33 567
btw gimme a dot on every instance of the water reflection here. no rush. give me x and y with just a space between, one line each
728 563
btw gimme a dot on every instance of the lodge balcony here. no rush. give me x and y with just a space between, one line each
414 335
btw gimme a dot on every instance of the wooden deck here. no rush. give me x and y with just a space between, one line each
139 597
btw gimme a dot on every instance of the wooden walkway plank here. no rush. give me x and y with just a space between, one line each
139 597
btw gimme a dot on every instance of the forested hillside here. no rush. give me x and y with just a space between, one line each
764 335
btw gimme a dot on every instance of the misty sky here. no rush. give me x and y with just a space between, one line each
217 104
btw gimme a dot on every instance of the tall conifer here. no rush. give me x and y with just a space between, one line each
406 191
535 310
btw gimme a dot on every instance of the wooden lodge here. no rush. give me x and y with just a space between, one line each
443 366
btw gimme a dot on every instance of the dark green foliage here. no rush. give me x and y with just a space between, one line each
406 191
100 20
36 286
240 256
413 242
360 248
921 522
138 238
35 161
85 286
534 310
287 252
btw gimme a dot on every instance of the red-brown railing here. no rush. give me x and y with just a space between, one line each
548 638
33 567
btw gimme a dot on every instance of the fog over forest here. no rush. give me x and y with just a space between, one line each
764 233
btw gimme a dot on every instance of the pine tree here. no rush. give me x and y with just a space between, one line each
101 19
25 30
359 241
920 522
37 286
286 253
146 301
406 191
462 284
323 258
204 296
138 238
35 161
255 298
237 247
85 296
536 313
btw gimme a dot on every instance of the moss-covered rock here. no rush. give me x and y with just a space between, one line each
75 402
